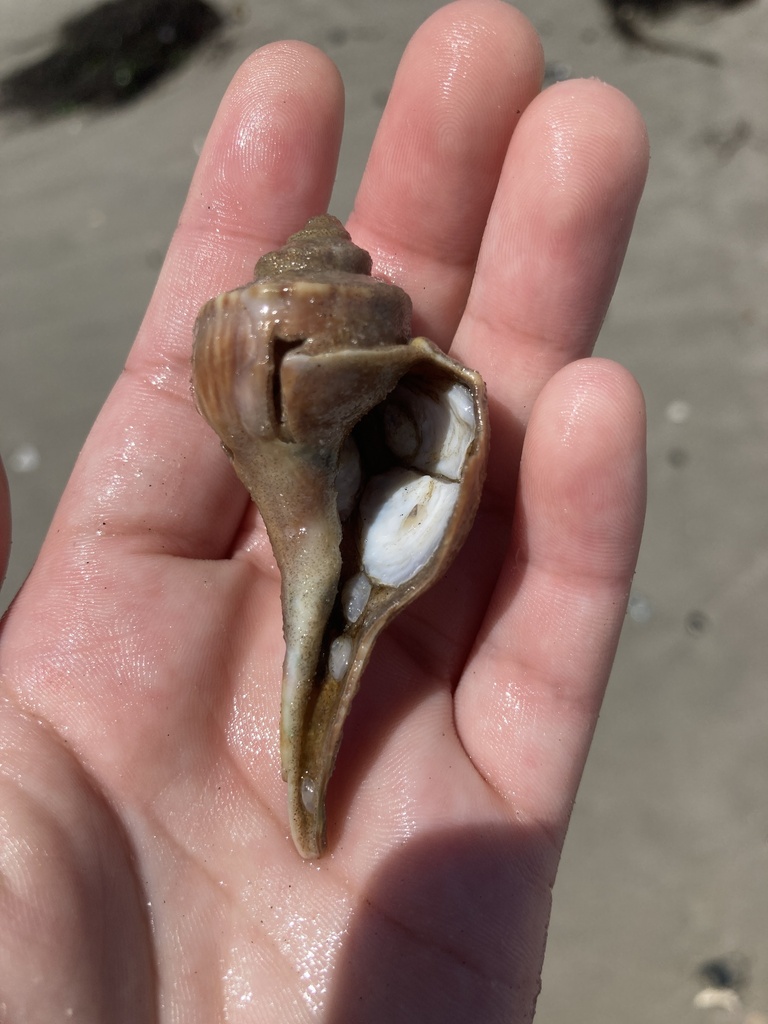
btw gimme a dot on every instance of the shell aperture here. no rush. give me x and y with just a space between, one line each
365 451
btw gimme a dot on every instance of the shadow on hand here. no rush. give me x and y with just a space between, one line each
452 928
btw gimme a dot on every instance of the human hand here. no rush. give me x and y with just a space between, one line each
148 870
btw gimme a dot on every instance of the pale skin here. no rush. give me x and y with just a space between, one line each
147 870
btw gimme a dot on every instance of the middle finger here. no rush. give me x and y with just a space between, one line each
421 209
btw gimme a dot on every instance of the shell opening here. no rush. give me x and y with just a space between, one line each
428 429
364 449
426 426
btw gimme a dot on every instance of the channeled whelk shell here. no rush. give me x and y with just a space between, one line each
365 451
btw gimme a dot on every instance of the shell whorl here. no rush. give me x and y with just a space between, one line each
322 246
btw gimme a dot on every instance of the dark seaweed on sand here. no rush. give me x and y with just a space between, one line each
628 18
110 54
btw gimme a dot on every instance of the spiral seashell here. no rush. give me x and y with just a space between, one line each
365 451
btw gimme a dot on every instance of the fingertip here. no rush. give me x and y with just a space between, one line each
583 471
613 105
613 112
275 138
289 56
601 123
495 19
590 401
268 163
590 391
283 68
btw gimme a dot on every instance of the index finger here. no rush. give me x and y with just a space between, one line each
423 203
151 469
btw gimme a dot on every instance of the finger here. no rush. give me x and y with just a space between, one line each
421 209
151 469
553 246
550 257
530 695
268 164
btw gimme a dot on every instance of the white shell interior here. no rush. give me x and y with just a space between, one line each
354 596
431 431
404 515
405 510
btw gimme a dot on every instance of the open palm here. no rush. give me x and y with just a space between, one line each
148 873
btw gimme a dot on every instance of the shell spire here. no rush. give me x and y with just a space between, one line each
365 451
